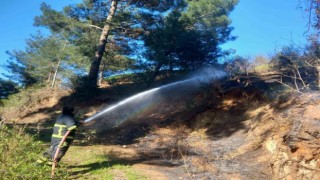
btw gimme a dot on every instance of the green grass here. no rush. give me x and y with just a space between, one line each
18 153
92 162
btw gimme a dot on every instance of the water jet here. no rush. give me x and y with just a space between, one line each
130 107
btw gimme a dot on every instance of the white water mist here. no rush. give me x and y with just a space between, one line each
122 110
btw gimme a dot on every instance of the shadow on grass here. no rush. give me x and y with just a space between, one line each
113 160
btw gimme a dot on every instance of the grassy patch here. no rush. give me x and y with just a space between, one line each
93 162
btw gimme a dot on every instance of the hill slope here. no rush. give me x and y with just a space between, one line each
245 128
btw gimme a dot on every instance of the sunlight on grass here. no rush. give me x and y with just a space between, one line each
92 162
18 154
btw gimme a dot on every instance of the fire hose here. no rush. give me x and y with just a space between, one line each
57 153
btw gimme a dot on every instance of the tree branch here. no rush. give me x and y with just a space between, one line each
297 69
289 86
97 27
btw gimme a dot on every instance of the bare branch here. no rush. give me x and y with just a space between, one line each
90 25
289 86
308 63
292 77
300 78
295 81
310 15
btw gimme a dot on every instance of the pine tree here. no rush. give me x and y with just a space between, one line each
188 35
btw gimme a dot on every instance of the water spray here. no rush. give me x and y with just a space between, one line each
132 98
204 76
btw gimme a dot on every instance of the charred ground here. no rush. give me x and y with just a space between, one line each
246 127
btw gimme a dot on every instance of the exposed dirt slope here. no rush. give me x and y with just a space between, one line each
245 128
246 132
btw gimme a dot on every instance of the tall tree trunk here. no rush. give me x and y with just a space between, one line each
100 78
57 68
170 64
154 75
101 74
94 69
50 74
55 74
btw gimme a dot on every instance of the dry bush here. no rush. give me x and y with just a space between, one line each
261 64
296 72
237 65
29 100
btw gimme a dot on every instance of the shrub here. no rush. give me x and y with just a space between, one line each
18 154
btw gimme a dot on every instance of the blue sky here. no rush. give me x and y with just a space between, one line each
16 17
261 26
264 26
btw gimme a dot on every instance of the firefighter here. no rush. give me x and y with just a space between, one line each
65 122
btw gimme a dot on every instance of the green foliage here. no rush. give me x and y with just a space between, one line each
56 21
44 56
18 154
156 5
298 66
210 19
126 78
7 88
19 68
187 36
237 65
24 97
81 25
179 34
289 57
170 43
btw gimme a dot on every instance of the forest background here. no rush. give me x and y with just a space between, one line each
141 40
